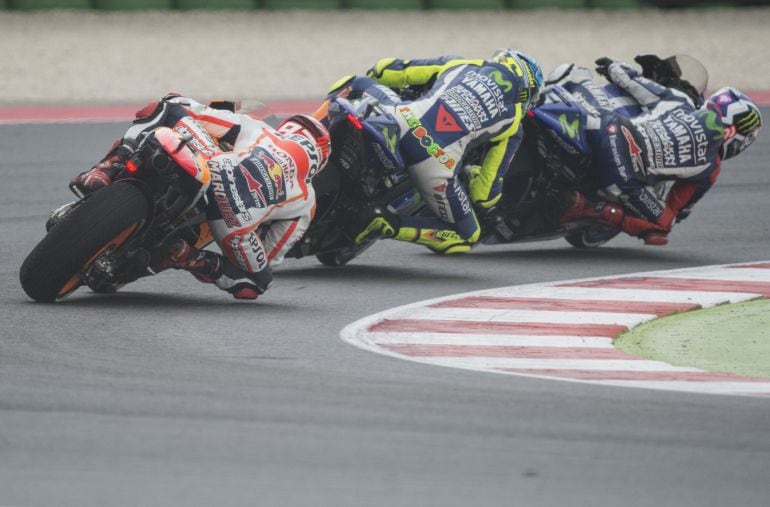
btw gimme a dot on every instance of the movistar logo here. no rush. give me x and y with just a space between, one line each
571 129
502 82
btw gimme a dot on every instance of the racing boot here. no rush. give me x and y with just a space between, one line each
581 208
379 223
204 265
105 172
211 267
440 241
578 207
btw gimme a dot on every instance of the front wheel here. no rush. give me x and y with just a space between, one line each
102 222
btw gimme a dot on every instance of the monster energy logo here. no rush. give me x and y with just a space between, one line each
711 125
571 129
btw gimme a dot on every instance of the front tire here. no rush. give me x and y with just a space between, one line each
104 220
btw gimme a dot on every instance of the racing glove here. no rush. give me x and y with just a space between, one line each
603 66
104 173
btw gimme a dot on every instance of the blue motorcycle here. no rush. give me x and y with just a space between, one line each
366 167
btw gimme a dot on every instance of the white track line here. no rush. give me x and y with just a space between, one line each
508 330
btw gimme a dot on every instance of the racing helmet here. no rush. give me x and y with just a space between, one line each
741 118
312 129
532 71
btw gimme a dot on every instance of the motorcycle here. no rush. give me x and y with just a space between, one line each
122 232
366 168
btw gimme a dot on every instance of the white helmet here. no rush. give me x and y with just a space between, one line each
740 116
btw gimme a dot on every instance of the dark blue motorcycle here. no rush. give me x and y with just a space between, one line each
366 167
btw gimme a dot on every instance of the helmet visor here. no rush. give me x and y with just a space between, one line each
737 144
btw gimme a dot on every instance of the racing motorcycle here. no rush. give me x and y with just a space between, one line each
366 167
123 231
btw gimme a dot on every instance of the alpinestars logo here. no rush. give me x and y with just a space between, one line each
634 149
255 187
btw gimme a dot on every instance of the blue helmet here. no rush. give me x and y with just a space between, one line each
528 65
739 115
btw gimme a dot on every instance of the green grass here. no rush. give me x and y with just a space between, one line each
732 338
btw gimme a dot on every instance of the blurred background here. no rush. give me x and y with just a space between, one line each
131 51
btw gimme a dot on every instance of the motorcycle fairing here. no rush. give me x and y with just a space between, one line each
565 118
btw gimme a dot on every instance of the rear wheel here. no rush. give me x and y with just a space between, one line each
330 259
343 255
102 222
591 237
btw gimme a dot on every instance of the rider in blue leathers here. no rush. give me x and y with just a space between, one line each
468 103
671 139
667 72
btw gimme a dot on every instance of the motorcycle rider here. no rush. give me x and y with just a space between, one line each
467 103
260 200
672 141
681 72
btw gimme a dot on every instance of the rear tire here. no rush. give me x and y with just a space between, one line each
109 215
591 237
330 259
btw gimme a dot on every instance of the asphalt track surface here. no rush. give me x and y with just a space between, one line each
170 393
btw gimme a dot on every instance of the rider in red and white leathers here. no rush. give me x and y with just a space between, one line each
260 200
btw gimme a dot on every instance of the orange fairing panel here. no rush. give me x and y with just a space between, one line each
192 162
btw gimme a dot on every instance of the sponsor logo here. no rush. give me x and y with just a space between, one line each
255 188
690 136
651 204
223 201
617 158
258 251
464 203
445 122
506 85
441 206
311 150
382 156
487 91
466 106
269 178
634 150
285 164
201 141
426 141
235 247
571 129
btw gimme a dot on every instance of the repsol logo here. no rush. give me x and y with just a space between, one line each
426 141
258 252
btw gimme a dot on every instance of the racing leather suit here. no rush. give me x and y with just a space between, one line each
667 139
469 103
260 200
